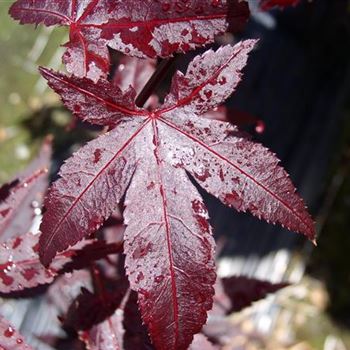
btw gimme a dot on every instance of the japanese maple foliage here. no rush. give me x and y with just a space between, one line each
237 292
20 205
139 28
146 161
145 157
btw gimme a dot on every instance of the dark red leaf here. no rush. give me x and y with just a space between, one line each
91 308
169 250
10 339
105 335
93 182
138 28
237 292
101 104
20 266
268 4
109 332
21 198
99 316
168 243
91 251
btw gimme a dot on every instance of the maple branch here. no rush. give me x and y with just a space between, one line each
154 80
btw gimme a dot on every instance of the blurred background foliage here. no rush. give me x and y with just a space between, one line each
29 109
22 91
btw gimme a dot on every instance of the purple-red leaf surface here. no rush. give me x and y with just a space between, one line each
268 4
135 332
234 293
139 28
105 335
21 268
109 333
10 339
168 244
24 195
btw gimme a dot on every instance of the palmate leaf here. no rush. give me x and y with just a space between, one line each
136 27
168 243
10 339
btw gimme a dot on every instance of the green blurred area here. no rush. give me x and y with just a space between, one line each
22 90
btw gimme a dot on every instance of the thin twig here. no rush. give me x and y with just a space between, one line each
154 81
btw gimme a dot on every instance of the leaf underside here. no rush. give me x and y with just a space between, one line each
168 243
144 28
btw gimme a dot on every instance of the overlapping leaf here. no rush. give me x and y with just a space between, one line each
234 293
20 198
139 28
168 244
10 339
20 266
99 316
105 335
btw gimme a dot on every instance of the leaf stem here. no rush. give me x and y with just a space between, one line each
98 283
154 81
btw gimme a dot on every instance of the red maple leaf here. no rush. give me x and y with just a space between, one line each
138 28
168 243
